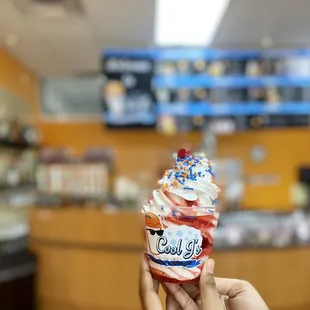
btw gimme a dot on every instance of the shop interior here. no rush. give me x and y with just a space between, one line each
96 98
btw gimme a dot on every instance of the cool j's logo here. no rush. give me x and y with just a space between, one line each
192 248
175 241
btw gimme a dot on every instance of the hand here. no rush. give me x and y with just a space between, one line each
215 294
241 295
148 289
188 297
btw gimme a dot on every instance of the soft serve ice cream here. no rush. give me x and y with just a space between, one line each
179 218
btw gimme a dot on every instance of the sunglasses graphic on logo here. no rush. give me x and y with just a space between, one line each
158 232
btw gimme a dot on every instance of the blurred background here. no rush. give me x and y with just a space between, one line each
95 98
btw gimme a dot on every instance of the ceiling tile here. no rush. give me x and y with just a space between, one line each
247 21
122 21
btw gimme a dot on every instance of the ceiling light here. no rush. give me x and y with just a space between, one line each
188 22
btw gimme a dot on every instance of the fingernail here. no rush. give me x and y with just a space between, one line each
210 266
207 273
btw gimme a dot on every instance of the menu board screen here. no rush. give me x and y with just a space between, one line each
127 94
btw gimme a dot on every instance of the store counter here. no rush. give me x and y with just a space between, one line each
89 259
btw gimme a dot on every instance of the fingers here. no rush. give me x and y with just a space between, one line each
148 289
190 289
224 301
146 281
193 291
209 296
181 297
171 303
155 285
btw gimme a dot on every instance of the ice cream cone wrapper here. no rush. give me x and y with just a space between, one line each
178 241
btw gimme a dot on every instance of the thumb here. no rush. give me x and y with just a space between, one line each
209 296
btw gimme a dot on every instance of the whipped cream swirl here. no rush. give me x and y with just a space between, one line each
190 179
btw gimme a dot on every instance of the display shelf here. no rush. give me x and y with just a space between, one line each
189 82
180 53
16 145
25 186
233 109
201 81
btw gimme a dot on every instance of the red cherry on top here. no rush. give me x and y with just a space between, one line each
182 153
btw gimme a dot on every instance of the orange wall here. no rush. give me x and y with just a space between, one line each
139 154
148 152
286 151
17 78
